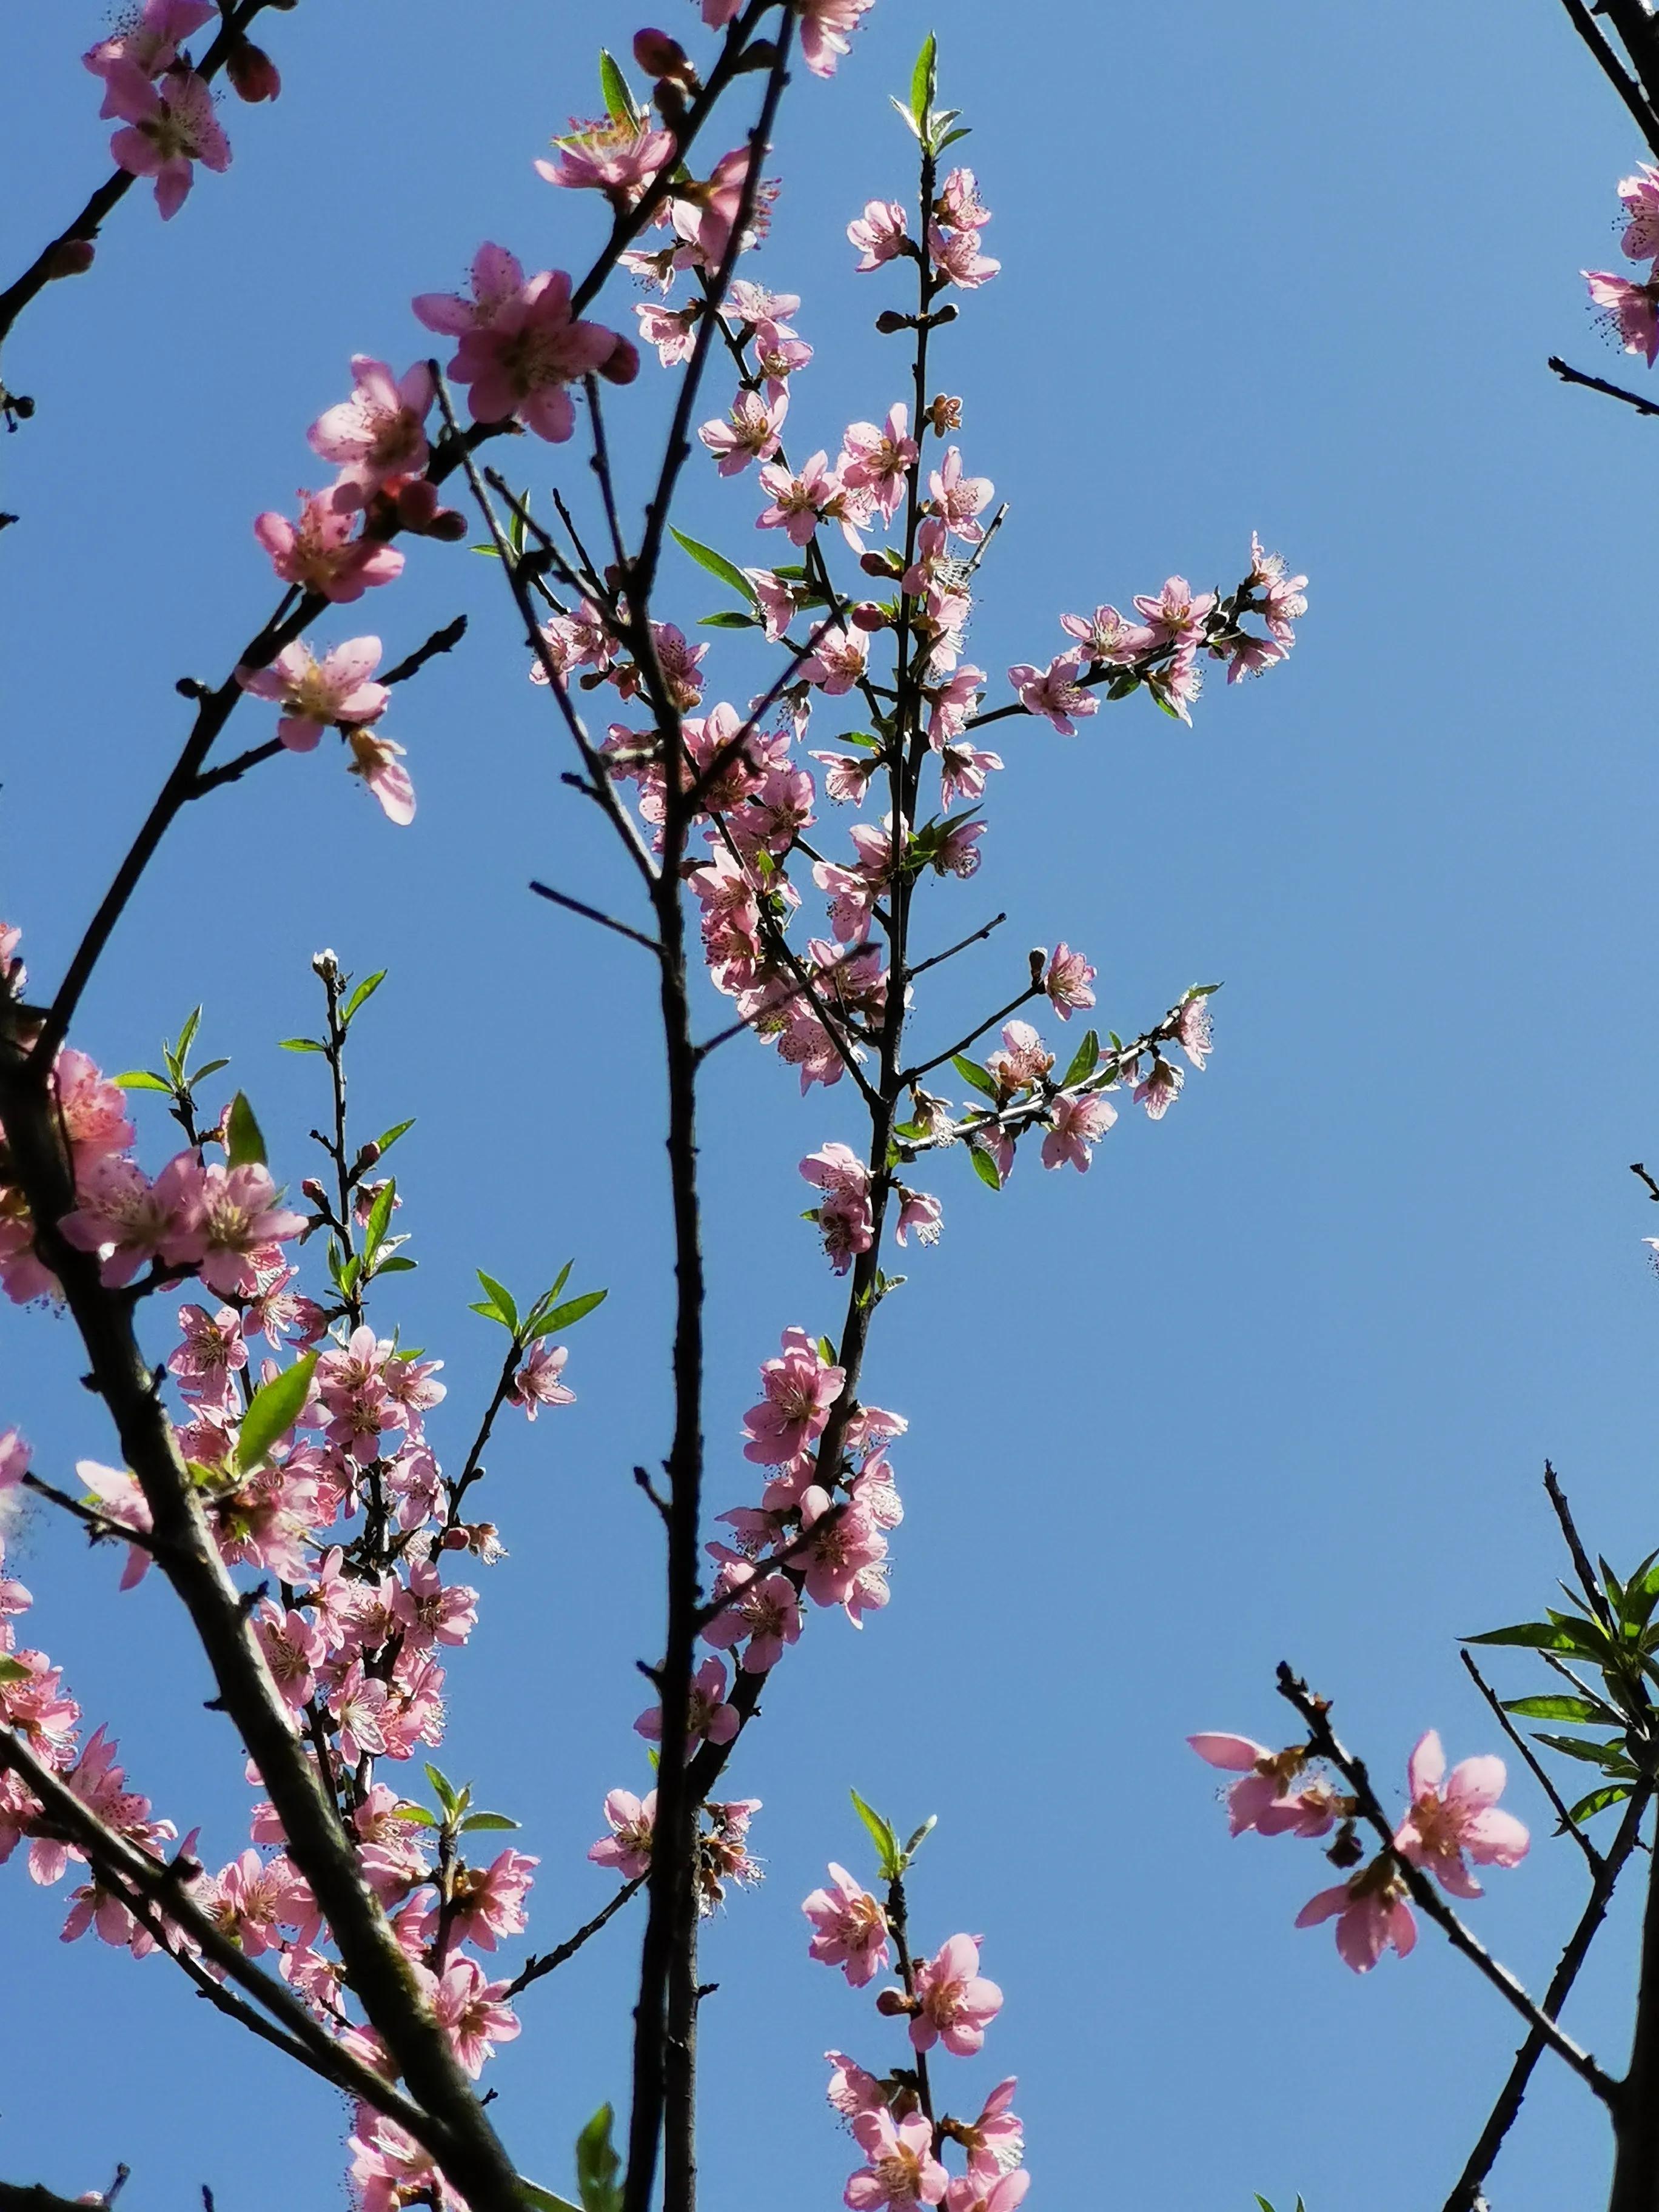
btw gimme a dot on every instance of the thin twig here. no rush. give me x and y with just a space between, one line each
1569 1825
1569 375
593 914
441 641
1592 1588
546 1961
1583 20
936 959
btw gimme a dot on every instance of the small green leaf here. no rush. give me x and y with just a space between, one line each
1084 1060
364 992
415 1816
597 2164
728 618
826 1352
882 1836
12 1670
187 1035
549 1297
486 1821
920 1837
715 563
379 1214
951 138
985 1167
397 1265
1533 1635
447 1797
1562 1709
302 1044
1597 1801
618 99
490 1313
245 1146
1609 1756
201 1074
972 1072
568 1314
544 2200
924 78
504 1300
388 1137
274 1407
140 1078
904 115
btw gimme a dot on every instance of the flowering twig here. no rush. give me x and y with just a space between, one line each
546 1962
1570 376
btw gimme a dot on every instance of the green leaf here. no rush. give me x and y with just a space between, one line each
728 618
273 1410
597 2164
302 1044
1608 1756
882 1836
490 1313
1562 1709
201 1074
568 1314
826 1352
1534 1635
1084 1060
618 99
446 1793
389 1137
920 1837
504 1300
415 1816
972 1072
364 990
486 1821
140 1078
551 1297
715 563
378 1215
12 1670
904 115
985 1167
397 1265
924 78
1597 1801
187 1035
245 1147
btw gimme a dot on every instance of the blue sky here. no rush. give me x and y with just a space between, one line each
1276 1380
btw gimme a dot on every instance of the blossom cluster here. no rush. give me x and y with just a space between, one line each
337 1501
948 2004
1450 1821
1631 310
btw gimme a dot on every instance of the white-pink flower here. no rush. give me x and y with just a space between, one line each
315 694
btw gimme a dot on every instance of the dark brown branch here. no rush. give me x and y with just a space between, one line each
1316 1713
441 641
546 1962
595 914
1582 1567
34 2196
1569 375
1583 19
937 959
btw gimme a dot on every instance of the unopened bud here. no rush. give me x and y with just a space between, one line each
453 1539
879 564
944 413
448 525
659 56
622 364
893 2004
312 1189
368 1156
889 320
418 502
70 257
325 964
253 72
867 615
1347 1849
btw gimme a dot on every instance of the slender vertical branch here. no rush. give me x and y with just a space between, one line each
1635 2108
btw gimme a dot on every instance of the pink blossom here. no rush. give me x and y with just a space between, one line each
121 1502
851 2090
710 1720
844 1218
958 500
1108 637
826 27
956 256
472 2012
228 1214
379 435
672 331
124 1217
1193 1033
957 2001
1177 683
1054 691
92 1112
799 502
837 660
1068 982
1159 1088
167 128
1370 1912
149 45
959 203
765 1609
849 1928
846 1547
627 1847
776 601
518 363
921 1211
800 1388
213 1350
878 459
900 2169
1176 616
496 278
1022 1061
878 234
15 1462
319 553
616 156
994 2142
1451 1817
488 1901
1262 1798
433 1612
315 694
750 433
1080 1121
537 1382
953 703
378 762
1640 194
978 2191
1631 311
294 1648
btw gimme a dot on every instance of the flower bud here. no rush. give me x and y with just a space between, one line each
418 502
659 56
448 525
253 72
453 1539
70 257
622 364
867 615
889 320
314 1190
366 1157
893 2004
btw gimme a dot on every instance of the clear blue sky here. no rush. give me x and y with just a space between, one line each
1277 1380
